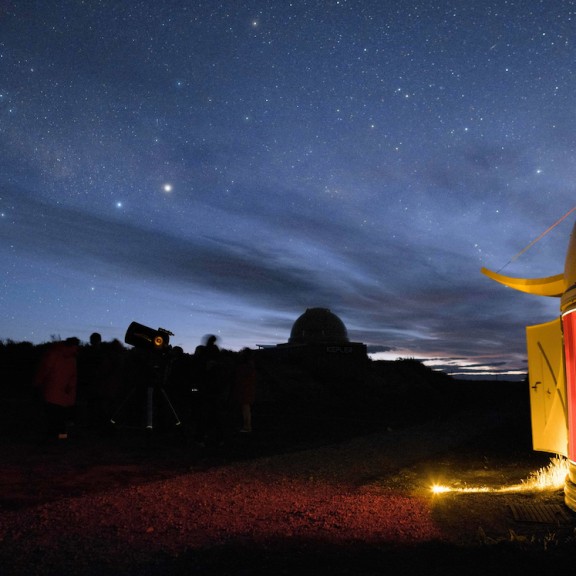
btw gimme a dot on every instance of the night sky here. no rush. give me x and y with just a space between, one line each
219 167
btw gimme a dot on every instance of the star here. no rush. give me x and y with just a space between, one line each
282 134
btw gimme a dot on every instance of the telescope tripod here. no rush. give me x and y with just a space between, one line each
155 389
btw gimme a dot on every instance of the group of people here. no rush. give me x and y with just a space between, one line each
219 381
210 383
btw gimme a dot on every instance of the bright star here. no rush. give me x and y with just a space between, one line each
167 188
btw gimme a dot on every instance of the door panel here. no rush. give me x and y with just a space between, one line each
548 406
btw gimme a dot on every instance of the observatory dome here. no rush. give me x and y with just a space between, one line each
318 325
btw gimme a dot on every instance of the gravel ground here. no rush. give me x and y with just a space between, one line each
359 505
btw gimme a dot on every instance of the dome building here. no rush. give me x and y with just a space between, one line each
318 325
319 339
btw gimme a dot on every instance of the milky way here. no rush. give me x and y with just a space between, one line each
222 166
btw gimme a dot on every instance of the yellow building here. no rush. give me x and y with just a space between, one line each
552 365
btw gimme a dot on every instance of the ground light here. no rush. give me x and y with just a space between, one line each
550 477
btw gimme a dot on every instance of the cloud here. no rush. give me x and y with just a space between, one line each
373 349
392 294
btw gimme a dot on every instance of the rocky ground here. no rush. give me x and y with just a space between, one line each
326 484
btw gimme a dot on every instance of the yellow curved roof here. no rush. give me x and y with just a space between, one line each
550 286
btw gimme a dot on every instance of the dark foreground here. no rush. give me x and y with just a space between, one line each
314 490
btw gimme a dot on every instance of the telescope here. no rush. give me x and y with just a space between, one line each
147 338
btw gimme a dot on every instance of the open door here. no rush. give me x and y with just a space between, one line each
548 404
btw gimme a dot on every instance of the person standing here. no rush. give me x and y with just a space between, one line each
56 378
208 379
245 387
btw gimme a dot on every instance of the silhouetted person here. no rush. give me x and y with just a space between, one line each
100 370
179 371
56 379
207 379
178 385
244 390
90 371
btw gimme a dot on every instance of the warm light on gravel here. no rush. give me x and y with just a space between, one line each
551 477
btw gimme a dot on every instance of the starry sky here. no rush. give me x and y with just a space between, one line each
221 166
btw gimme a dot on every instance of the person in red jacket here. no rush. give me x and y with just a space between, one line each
56 378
